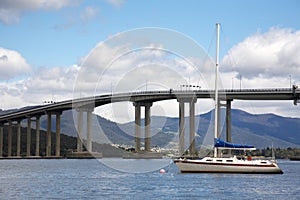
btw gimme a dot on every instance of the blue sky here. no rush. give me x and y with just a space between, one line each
60 37
47 40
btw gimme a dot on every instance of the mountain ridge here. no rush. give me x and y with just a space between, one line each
260 130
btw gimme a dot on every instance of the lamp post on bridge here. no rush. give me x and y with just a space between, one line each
240 82
190 86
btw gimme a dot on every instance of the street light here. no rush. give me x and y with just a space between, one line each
190 86
146 85
240 82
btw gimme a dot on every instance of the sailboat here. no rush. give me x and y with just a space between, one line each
226 164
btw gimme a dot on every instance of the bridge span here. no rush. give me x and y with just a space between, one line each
139 99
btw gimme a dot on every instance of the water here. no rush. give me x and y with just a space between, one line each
90 179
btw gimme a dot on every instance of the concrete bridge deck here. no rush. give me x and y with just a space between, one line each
139 99
154 96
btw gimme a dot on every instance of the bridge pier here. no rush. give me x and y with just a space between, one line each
9 139
79 130
89 136
137 127
147 138
18 138
28 136
228 123
192 146
228 120
48 145
89 146
1 140
37 136
227 105
57 149
181 128
49 134
147 127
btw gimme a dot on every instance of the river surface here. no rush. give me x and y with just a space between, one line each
91 179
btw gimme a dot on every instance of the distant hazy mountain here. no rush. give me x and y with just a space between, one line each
261 130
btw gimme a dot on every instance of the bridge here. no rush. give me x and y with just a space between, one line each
139 99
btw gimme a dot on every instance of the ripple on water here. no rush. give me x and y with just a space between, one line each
80 179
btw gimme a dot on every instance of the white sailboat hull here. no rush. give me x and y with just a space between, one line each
227 165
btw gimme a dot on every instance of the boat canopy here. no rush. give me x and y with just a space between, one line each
226 145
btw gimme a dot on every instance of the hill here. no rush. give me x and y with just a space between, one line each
67 144
261 130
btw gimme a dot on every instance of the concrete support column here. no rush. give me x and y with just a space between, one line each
147 127
28 136
228 121
79 129
57 149
181 128
9 138
19 138
37 136
137 127
147 138
89 128
192 128
1 140
48 145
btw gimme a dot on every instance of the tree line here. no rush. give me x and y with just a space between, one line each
279 152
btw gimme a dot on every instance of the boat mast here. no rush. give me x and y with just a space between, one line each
216 87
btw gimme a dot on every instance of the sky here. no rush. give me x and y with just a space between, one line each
60 49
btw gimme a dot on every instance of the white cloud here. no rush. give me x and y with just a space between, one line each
88 13
115 67
44 84
119 65
264 60
125 69
55 79
157 56
132 70
12 10
36 4
12 64
275 53
116 3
